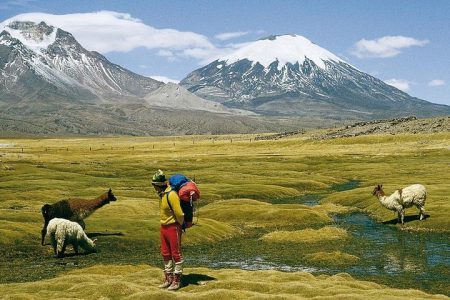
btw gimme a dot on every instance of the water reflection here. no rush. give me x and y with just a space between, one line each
398 251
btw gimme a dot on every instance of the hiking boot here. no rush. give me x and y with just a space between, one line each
168 279
176 282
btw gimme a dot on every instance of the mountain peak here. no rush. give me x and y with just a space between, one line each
273 37
44 60
36 36
288 48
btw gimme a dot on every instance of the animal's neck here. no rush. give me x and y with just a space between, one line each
100 201
387 202
89 206
381 198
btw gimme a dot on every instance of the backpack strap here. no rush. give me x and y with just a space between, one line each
168 202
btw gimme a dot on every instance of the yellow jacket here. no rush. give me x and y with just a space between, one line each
167 215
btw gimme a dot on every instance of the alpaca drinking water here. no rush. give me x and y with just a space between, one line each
63 232
415 194
74 209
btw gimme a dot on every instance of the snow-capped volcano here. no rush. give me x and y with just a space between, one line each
289 74
284 49
38 60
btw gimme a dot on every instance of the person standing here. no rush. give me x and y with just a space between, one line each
171 219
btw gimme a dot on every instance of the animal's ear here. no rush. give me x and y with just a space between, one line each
94 241
381 186
110 191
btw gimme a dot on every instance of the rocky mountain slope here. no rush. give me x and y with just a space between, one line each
289 75
174 96
406 125
39 61
51 85
136 119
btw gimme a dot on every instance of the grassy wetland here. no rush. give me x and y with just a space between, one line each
284 218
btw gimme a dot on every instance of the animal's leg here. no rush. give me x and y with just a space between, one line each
60 248
44 232
402 214
422 212
54 243
75 248
399 218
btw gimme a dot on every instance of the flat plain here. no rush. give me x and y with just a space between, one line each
286 218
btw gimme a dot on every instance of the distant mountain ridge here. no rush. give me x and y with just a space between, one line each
38 60
50 84
290 75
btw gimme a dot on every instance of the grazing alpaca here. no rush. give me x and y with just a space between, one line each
415 194
74 209
63 232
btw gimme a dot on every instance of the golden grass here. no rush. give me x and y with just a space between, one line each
335 258
140 282
209 231
321 235
253 213
234 179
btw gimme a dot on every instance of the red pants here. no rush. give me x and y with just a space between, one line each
171 242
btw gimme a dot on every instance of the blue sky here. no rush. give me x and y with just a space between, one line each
403 42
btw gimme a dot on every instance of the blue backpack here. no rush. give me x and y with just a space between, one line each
177 181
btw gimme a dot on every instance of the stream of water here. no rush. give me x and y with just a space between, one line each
387 254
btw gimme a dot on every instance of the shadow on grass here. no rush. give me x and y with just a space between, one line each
95 234
195 279
406 219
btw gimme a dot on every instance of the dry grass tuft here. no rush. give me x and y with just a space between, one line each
260 214
335 258
209 231
324 234
140 282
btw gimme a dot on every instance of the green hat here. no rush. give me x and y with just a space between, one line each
159 178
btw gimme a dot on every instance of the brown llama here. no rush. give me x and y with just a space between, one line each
74 209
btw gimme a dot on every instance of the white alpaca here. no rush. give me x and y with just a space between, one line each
415 194
63 232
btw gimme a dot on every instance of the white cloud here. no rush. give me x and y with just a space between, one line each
387 46
165 53
164 79
401 84
108 31
436 82
230 35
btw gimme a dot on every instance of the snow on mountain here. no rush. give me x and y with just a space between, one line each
290 75
59 65
37 40
284 49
